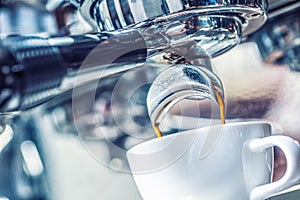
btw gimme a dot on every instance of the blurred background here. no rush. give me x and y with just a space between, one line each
54 156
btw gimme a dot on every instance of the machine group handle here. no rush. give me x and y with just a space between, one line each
32 68
30 71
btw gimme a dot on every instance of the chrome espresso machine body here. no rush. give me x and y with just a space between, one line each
75 76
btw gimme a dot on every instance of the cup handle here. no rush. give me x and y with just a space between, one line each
291 150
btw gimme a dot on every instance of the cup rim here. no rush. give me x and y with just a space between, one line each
168 137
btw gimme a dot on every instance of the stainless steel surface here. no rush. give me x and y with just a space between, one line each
55 154
87 57
188 33
112 15
201 21
214 34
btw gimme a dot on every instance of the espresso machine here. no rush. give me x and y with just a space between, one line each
75 75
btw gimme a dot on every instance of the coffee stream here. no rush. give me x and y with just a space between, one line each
222 109
220 100
157 131
221 103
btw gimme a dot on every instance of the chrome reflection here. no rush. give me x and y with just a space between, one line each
33 165
114 15
6 136
216 26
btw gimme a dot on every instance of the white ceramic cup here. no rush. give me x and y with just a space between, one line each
238 165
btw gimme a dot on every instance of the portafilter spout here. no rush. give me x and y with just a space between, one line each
217 25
